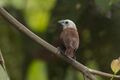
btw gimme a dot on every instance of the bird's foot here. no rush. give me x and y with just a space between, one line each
74 57
61 51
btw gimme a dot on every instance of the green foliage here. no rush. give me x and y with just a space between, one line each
86 36
111 2
37 71
70 74
103 5
2 2
115 66
79 76
37 14
10 44
99 40
18 4
92 64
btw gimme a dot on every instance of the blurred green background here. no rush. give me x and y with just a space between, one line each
98 23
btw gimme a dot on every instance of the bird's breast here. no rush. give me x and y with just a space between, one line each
70 38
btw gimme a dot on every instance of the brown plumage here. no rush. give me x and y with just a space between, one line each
70 41
69 38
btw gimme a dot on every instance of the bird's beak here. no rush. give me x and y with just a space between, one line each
61 22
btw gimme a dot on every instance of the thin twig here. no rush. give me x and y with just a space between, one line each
2 62
86 71
85 78
103 74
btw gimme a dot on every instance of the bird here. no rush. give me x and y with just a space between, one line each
69 38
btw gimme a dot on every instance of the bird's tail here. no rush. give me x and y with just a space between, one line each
70 53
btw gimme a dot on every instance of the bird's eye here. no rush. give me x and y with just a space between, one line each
66 22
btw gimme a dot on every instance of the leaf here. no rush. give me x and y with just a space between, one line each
38 13
111 2
115 65
37 71
2 2
18 4
103 5
70 74
3 74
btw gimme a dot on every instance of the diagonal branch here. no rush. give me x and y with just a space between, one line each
86 71
46 45
2 62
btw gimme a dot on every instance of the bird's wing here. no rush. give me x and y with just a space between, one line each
70 39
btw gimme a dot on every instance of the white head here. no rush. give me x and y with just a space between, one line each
67 24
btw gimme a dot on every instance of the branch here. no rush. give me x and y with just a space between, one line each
46 45
2 62
86 71
85 78
103 74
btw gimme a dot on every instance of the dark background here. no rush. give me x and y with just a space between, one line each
98 23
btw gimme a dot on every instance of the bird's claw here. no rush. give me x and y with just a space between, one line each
61 51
